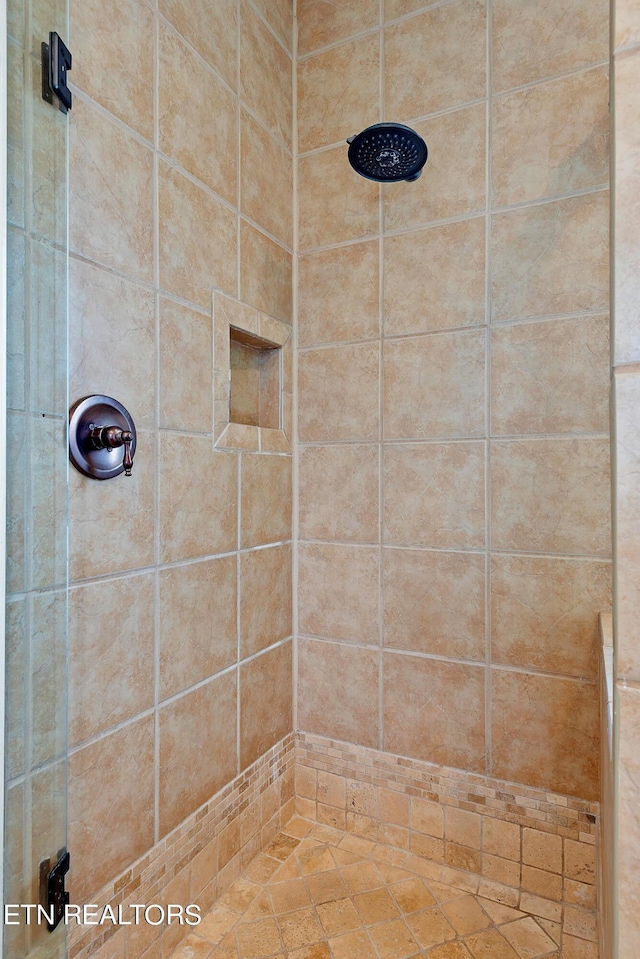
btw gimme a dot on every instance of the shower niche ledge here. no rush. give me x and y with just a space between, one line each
252 378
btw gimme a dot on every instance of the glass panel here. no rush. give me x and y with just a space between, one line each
37 479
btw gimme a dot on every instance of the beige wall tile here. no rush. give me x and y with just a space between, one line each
265 598
434 495
627 396
47 512
111 677
627 23
279 16
400 8
338 294
265 702
626 175
551 496
266 180
537 153
434 710
113 58
338 592
97 544
48 695
446 49
545 732
16 318
338 92
186 402
338 691
15 136
428 289
265 499
211 28
551 377
16 447
265 75
111 783
185 780
338 496
198 498
197 130
544 613
107 312
551 259
198 240
501 838
338 393
542 850
265 273
106 162
538 41
434 602
321 22
454 181
16 678
434 385
197 622
48 292
335 203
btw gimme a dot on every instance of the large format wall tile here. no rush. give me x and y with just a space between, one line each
265 499
338 294
186 341
211 28
534 41
434 495
338 691
445 48
434 602
551 496
106 310
454 181
199 132
198 240
105 161
551 259
629 840
265 598
321 22
197 616
185 780
551 377
338 93
265 75
265 718
627 542
338 393
544 613
265 273
426 286
279 16
111 677
434 385
111 784
335 203
536 153
339 493
198 498
434 710
266 188
545 732
113 58
338 592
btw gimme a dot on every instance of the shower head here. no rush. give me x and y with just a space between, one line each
388 152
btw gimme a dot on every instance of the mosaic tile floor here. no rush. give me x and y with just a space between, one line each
318 893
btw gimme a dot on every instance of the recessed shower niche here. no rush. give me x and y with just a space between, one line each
253 377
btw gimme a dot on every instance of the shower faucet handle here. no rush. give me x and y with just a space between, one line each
110 437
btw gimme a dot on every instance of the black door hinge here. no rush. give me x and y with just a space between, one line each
53 895
56 62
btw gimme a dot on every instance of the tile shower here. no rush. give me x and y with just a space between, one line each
382 616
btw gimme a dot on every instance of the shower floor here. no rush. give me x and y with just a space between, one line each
319 893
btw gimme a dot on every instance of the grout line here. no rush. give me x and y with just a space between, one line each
157 411
488 684
381 366
295 486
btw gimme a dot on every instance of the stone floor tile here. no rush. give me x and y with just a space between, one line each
466 916
527 938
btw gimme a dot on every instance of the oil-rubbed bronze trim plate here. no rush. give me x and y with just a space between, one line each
102 437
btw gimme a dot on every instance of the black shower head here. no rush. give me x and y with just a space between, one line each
388 152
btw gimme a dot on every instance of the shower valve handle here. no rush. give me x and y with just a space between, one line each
110 437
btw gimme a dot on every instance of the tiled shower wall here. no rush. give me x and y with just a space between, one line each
453 386
180 671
